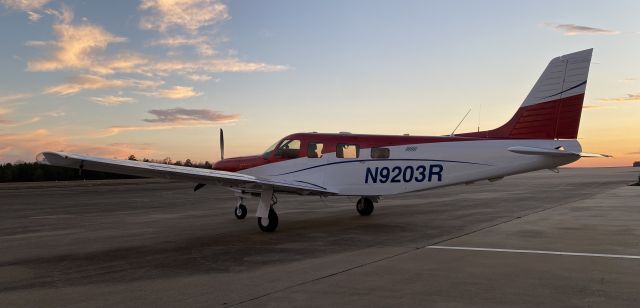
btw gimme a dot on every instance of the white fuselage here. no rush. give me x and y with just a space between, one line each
416 167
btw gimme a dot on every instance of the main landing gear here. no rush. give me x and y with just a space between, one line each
269 223
364 206
267 216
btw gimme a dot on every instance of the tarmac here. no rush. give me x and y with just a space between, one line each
538 239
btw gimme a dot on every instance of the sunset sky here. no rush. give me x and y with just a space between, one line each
158 78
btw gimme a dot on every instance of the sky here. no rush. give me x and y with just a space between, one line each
158 78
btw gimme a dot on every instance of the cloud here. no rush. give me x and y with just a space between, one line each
629 80
76 46
229 65
90 82
196 77
112 100
4 149
201 43
633 153
11 123
24 5
25 146
630 98
176 118
83 82
573 29
3 112
13 97
121 63
84 48
33 16
64 15
177 92
189 15
182 115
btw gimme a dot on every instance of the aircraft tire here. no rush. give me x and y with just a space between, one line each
364 206
240 211
270 224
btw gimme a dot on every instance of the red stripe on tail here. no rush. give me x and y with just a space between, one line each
556 119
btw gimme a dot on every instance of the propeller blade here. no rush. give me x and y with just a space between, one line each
221 144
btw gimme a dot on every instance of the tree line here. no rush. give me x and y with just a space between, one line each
35 172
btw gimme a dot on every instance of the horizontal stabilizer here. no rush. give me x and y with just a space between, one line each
551 152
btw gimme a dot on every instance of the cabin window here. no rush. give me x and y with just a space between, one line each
379 153
314 150
347 150
289 149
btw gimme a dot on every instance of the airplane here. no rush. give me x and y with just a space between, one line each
542 134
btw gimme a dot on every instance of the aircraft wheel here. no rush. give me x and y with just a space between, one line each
270 223
241 211
364 206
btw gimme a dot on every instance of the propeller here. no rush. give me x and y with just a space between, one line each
221 144
200 185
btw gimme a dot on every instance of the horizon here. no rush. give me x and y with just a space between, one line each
158 79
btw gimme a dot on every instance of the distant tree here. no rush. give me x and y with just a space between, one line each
38 175
208 165
132 157
146 160
167 160
188 163
178 163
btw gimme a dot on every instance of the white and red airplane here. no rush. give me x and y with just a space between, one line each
541 135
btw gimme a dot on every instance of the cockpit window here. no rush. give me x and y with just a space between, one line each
269 150
289 149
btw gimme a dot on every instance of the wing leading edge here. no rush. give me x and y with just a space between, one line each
206 176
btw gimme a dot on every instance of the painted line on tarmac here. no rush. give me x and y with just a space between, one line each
562 253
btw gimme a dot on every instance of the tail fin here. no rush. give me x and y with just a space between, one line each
553 108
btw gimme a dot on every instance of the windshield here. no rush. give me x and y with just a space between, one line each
269 150
289 149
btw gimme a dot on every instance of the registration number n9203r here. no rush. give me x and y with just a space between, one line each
406 174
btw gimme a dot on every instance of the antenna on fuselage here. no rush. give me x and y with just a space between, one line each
465 116
479 111
221 144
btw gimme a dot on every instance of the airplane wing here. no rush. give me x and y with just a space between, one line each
552 152
195 175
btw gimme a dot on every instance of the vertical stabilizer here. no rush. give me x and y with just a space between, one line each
553 107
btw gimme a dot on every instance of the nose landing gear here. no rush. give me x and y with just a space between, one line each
241 211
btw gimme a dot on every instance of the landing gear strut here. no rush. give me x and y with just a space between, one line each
267 216
364 206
